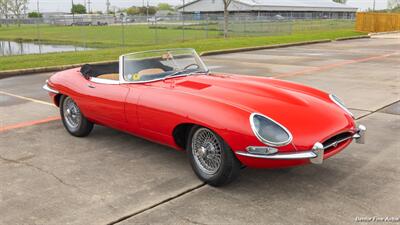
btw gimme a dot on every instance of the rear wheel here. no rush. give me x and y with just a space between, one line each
73 119
211 158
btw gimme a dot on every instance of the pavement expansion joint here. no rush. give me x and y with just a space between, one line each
157 204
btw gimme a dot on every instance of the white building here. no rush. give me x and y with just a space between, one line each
272 8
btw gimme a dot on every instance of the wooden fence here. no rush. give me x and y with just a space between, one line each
377 22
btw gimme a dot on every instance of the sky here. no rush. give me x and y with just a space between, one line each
64 5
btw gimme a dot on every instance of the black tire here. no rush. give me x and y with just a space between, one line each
228 167
78 129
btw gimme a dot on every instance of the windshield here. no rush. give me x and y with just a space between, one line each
161 64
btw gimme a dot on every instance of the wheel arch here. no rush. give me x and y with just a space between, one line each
57 99
181 134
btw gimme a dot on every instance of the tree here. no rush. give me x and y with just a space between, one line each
226 16
34 15
144 10
17 7
165 6
392 4
4 7
132 10
78 9
340 1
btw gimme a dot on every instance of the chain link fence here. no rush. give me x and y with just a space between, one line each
81 32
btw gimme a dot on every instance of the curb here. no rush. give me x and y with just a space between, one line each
386 32
20 72
353 38
235 50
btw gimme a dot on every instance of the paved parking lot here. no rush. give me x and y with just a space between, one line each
50 177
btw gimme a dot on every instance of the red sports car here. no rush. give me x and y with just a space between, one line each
223 122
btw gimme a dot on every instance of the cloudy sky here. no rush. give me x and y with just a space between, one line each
64 5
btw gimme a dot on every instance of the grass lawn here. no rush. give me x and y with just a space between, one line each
101 36
57 59
141 35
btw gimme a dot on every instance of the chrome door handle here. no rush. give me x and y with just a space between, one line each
91 86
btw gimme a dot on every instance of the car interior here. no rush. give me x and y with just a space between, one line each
143 70
106 71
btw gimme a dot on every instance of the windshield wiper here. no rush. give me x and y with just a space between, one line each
176 73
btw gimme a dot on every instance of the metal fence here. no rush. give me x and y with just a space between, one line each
102 31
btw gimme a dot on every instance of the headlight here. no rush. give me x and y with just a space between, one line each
340 103
269 131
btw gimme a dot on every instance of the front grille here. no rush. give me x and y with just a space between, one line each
334 141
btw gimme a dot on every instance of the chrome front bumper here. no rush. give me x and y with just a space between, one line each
315 155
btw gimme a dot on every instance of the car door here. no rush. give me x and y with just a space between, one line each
105 102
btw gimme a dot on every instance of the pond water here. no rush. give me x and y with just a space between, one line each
22 48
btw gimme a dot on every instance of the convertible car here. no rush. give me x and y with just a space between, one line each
224 122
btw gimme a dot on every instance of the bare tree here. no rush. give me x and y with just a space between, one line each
4 7
17 7
226 16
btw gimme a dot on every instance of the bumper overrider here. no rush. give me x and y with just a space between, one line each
315 155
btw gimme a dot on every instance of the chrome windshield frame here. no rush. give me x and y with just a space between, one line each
121 66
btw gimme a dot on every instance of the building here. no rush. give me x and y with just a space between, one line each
272 8
78 19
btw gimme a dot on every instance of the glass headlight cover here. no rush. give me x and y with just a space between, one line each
340 103
269 131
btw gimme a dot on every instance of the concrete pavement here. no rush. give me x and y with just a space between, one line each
50 177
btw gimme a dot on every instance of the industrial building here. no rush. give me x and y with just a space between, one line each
326 9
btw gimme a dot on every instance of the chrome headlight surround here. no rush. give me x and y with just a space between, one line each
264 139
340 103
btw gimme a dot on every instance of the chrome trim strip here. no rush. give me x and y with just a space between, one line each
341 105
103 81
49 89
274 144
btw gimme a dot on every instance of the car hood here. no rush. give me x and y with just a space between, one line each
307 113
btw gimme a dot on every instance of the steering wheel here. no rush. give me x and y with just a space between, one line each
190 65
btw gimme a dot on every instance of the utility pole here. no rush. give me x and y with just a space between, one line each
72 11
373 9
89 10
37 26
147 11
183 20
108 6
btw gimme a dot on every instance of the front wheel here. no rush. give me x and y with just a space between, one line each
211 158
73 119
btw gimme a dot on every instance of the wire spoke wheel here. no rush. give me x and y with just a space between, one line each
72 114
207 151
